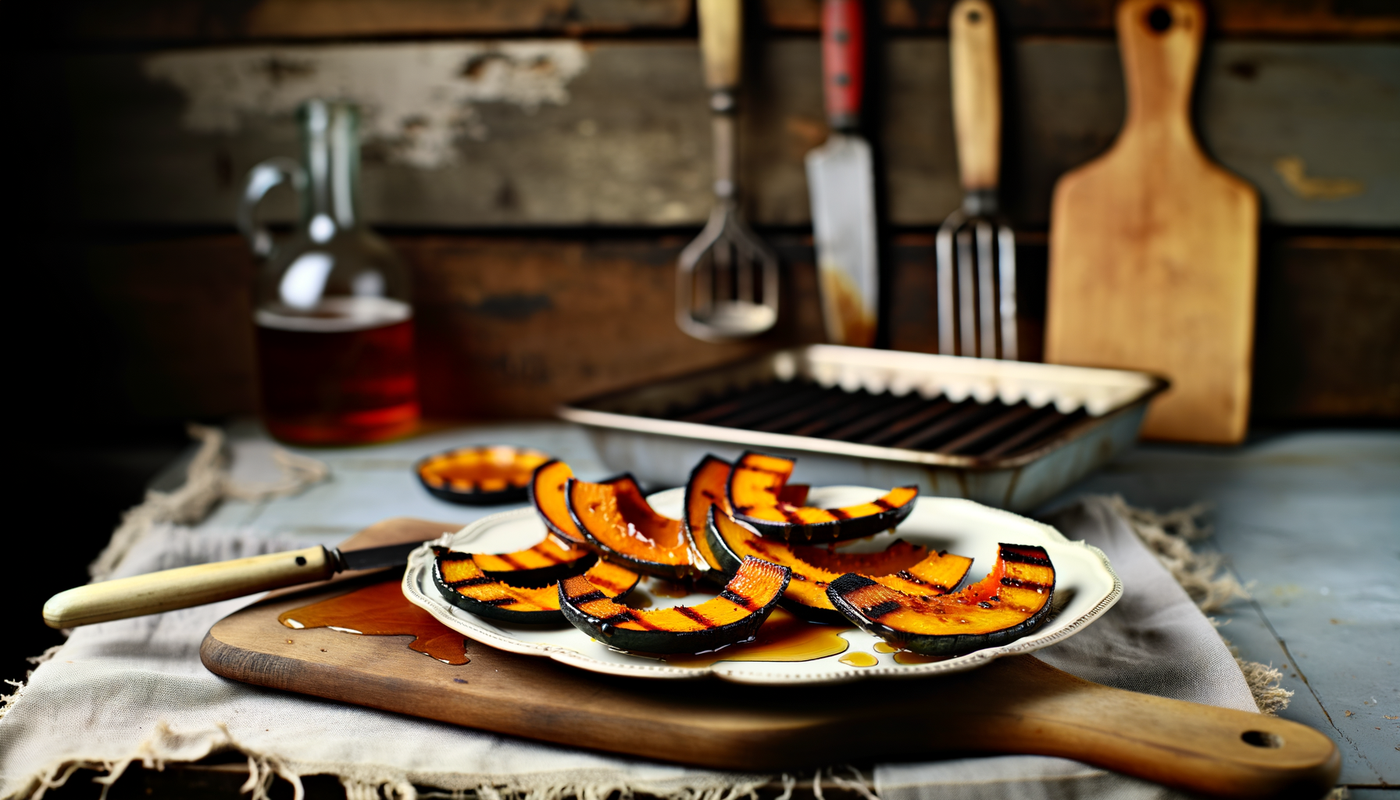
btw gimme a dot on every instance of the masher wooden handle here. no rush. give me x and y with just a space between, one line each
721 37
185 587
976 75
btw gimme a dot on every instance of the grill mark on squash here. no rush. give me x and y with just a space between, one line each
881 609
588 597
1019 557
695 616
1017 583
738 599
475 580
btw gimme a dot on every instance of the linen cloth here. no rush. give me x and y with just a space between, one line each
135 691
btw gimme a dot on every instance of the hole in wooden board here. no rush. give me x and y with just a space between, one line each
1262 739
1159 19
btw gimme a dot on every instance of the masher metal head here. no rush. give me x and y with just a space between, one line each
976 256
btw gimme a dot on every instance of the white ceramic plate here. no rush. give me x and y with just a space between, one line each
1085 587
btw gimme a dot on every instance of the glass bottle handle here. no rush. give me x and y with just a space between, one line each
262 178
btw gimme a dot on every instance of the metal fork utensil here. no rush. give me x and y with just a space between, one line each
977 289
727 281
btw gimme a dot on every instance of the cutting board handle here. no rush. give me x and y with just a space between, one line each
976 76
1029 706
1160 41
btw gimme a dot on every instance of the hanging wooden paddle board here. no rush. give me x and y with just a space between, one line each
1153 247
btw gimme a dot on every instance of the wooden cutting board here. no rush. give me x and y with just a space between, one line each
1013 705
1153 247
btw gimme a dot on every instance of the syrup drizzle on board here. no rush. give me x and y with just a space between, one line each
380 609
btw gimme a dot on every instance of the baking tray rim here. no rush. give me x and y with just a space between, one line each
574 411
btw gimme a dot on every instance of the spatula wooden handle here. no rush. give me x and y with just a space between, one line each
1023 705
186 587
721 37
976 75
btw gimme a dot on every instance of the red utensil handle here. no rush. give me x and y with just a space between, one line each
843 60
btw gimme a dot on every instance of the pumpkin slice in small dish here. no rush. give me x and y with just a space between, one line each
617 520
731 618
461 580
814 568
756 497
480 475
1012 601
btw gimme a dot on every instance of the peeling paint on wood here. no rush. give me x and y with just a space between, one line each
416 99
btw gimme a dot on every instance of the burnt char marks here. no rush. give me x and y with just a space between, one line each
475 580
450 555
1022 554
881 609
589 597
1017 583
497 601
884 504
695 616
838 513
738 599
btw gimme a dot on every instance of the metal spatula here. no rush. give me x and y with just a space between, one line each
727 281
977 290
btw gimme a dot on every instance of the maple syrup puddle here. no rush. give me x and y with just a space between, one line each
783 637
859 659
380 609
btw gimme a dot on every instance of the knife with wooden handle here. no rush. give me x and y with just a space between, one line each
841 182
199 584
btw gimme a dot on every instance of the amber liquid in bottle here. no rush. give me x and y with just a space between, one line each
342 373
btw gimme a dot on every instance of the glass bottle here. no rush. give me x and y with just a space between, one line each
331 307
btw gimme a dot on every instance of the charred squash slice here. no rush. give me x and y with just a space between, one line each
460 579
814 568
705 488
480 475
544 563
731 618
547 495
1013 600
617 520
755 494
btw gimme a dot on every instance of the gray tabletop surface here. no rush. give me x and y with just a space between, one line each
1308 520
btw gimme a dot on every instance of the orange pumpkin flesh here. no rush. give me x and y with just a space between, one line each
480 475
806 593
547 496
461 580
755 494
546 562
731 618
1012 601
616 519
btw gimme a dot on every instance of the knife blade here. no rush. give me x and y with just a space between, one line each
841 184
199 584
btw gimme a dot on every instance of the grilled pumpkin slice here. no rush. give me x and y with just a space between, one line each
480 475
617 520
755 494
547 495
1012 601
731 618
814 568
705 488
544 563
460 579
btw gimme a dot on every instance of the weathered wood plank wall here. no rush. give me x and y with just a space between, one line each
539 163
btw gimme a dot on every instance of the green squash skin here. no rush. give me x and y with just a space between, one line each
926 644
672 642
835 531
488 611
